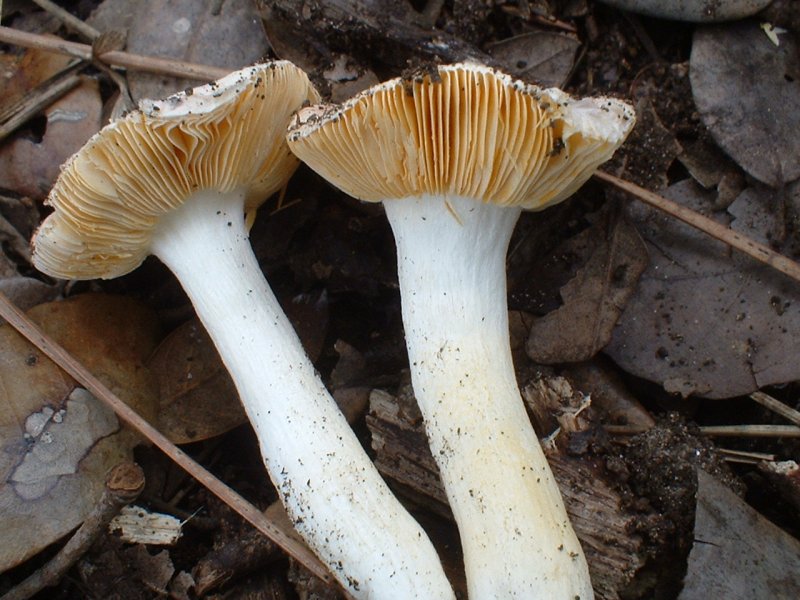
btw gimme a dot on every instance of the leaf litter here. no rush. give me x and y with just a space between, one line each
747 90
703 320
58 441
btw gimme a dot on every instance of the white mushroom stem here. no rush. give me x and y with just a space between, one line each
330 488
516 536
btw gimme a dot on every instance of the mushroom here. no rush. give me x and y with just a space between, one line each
454 156
174 179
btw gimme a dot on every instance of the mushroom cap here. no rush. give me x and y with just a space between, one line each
464 130
228 135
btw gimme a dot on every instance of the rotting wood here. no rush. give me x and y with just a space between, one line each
394 35
602 525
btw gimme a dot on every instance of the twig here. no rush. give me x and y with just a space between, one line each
38 99
743 456
124 483
281 536
115 58
549 21
733 238
776 406
771 431
70 20
791 431
644 37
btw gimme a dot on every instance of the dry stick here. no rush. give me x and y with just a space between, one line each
67 362
776 406
38 99
735 239
70 20
744 455
124 483
791 431
115 58
771 431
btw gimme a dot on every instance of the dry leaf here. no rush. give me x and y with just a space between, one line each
748 93
26 292
57 442
545 57
220 34
309 316
705 320
198 398
28 167
737 553
692 10
22 73
154 570
594 298
650 150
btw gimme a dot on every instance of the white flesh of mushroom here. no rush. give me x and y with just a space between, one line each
331 490
516 536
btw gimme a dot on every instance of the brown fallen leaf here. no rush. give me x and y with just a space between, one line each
747 90
197 397
56 440
220 34
705 321
545 57
650 150
26 292
29 167
128 572
309 316
21 73
593 300
737 553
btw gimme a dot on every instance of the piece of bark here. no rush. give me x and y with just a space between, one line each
602 525
240 555
402 454
388 30
231 559
608 393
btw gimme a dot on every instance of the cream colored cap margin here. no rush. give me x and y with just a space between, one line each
227 135
468 131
